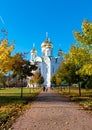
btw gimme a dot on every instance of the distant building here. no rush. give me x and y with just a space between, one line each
47 63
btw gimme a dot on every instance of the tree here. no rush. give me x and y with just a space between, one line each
67 71
77 64
5 57
84 39
37 78
53 80
22 68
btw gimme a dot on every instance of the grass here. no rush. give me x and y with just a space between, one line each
85 100
12 105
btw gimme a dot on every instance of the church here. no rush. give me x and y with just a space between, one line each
47 63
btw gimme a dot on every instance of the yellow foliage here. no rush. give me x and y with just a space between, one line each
5 56
86 69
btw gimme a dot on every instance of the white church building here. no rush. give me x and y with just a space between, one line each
47 63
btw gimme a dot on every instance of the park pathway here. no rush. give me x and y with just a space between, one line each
50 111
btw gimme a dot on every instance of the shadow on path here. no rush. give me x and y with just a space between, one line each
51 96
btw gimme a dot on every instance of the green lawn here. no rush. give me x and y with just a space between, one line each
16 90
74 91
85 99
12 105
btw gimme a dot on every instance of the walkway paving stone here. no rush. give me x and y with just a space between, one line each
50 111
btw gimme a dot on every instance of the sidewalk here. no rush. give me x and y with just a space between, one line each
50 111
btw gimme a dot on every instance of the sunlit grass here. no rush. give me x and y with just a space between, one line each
16 90
12 105
85 99
74 91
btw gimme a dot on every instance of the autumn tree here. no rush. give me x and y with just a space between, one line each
22 68
53 80
37 78
5 57
77 64
84 41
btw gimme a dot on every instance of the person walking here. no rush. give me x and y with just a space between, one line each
43 88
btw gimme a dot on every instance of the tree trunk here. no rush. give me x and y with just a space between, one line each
69 88
79 88
61 88
21 88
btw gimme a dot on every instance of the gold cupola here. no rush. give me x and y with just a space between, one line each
47 43
43 45
60 52
33 51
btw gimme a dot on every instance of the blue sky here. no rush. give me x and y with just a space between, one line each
27 22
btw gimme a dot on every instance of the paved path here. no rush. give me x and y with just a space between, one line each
52 112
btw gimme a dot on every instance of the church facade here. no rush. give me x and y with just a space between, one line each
47 63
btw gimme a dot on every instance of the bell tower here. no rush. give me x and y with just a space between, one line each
47 47
33 53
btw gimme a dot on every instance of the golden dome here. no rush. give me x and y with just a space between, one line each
60 52
43 44
47 44
33 51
